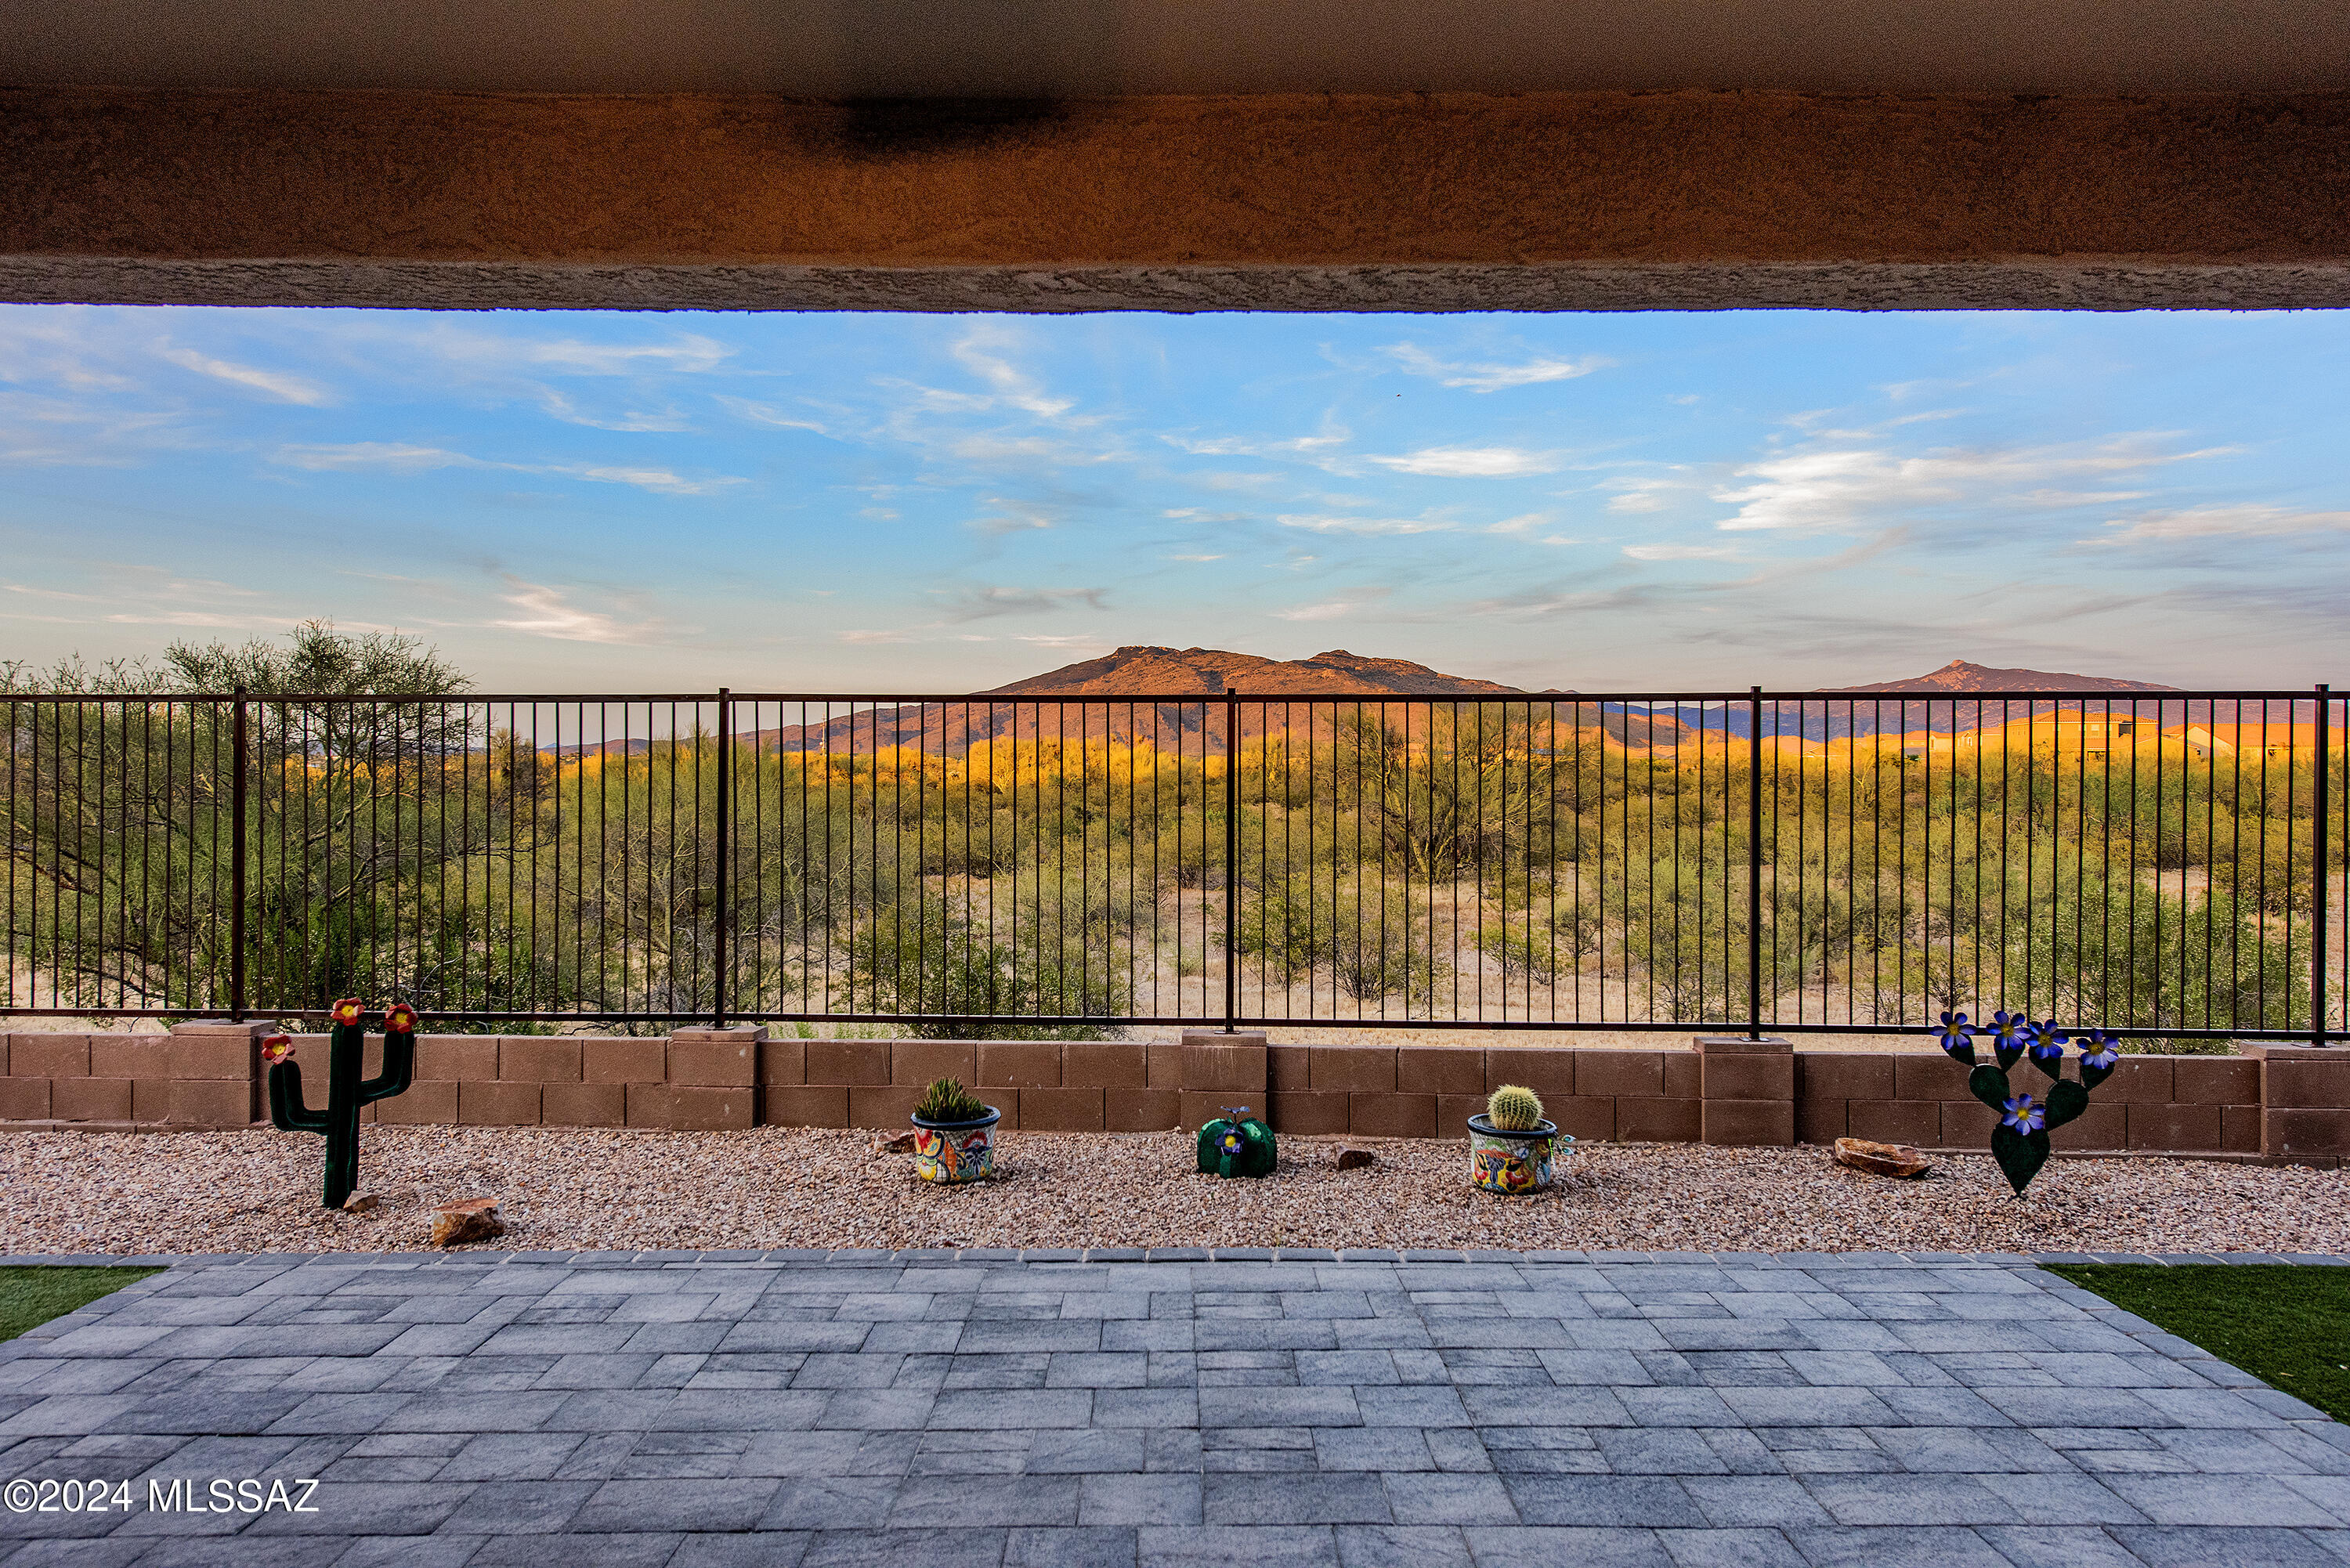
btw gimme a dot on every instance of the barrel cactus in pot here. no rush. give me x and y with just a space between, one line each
954 1134
1510 1144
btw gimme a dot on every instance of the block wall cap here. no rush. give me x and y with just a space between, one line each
255 1028
1711 1044
730 1037
2288 1052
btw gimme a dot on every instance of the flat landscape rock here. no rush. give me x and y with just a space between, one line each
1351 1159
1881 1159
469 1219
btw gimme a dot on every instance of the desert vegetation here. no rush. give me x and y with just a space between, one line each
1499 859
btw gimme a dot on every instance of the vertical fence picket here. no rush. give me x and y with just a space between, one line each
240 752
1232 856
2320 891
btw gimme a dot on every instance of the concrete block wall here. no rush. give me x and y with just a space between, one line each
1373 1091
2167 1103
2275 1102
2304 1102
1040 1085
200 1078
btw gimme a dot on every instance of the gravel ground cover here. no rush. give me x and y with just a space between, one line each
777 1186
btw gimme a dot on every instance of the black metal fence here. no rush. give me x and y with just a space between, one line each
2168 865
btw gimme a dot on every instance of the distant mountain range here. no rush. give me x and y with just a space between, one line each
1959 675
1142 670
1194 727
1188 725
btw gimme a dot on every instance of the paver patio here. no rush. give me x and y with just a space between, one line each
1175 1409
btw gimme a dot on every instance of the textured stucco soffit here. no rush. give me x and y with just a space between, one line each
1555 200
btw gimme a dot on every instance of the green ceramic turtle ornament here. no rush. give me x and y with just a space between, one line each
1236 1143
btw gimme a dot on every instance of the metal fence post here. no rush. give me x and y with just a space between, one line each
2317 912
1753 863
237 798
725 858
1231 858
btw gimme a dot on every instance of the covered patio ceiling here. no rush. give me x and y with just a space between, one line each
1177 154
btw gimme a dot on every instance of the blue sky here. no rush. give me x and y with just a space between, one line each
585 501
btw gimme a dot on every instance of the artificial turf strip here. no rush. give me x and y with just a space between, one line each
2288 1325
32 1293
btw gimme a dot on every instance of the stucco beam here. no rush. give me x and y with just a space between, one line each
1681 200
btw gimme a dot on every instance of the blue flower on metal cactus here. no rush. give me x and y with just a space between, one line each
2099 1050
1956 1036
2008 1031
2023 1114
2047 1046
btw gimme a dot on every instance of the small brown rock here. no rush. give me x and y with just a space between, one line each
467 1219
1881 1159
1354 1158
362 1202
902 1144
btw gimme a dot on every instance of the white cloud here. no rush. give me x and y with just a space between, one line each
277 383
1024 451
398 456
1013 517
1472 462
768 414
1826 490
981 350
2240 521
549 612
1682 552
1194 558
1074 641
1333 436
1337 609
570 413
688 353
1323 523
37 430
985 601
401 458
1492 378
661 480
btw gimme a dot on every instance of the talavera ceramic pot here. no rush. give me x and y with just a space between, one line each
1502 1160
956 1152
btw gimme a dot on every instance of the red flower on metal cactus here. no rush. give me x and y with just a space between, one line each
348 1011
399 1019
275 1049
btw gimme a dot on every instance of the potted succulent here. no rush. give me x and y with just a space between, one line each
1510 1144
954 1134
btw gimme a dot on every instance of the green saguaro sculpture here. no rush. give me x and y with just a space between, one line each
346 1090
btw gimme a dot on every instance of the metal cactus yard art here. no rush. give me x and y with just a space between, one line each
2020 1141
346 1090
1237 1144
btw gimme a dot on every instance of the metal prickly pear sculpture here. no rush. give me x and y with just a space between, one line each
346 1090
2020 1141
